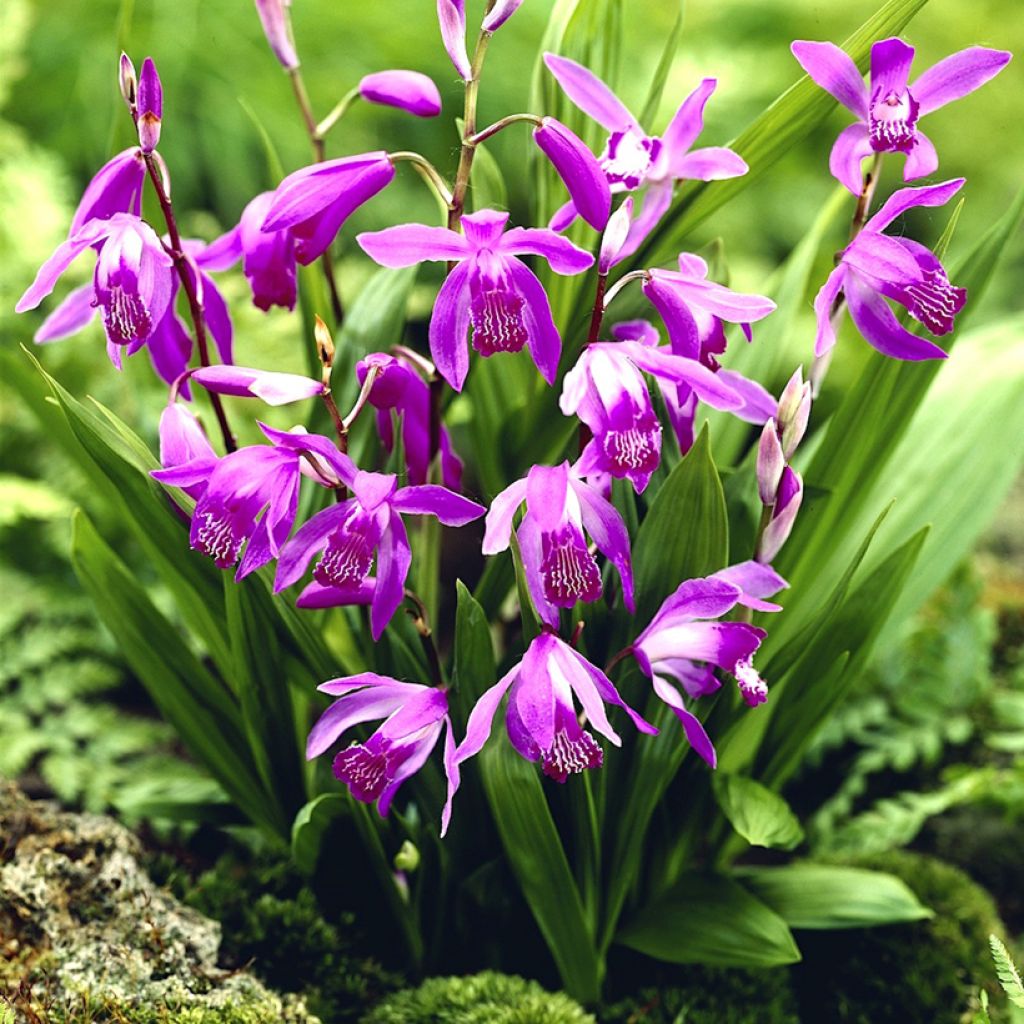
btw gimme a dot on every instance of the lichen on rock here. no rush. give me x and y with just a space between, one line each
83 926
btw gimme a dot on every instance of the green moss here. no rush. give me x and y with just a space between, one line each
86 1011
921 973
487 998
710 995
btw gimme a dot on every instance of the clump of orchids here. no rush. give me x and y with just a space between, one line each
560 519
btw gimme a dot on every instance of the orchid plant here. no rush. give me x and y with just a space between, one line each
600 576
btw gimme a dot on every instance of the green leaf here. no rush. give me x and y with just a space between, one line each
674 545
823 896
475 667
534 850
760 816
791 117
309 827
710 919
1008 975
661 72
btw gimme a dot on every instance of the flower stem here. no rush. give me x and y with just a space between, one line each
428 172
468 150
319 155
341 108
633 275
421 622
177 254
493 129
597 314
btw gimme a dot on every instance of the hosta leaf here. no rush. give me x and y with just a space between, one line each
760 816
710 919
826 896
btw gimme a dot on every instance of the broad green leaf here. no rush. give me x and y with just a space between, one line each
661 72
710 919
475 668
534 851
771 136
823 896
309 826
685 531
191 699
760 816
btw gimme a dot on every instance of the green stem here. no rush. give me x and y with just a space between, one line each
341 108
468 150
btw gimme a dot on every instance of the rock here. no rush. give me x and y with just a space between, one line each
82 923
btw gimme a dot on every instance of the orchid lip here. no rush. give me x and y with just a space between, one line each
570 755
891 122
569 570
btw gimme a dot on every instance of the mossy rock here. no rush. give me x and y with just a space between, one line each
487 998
710 995
927 972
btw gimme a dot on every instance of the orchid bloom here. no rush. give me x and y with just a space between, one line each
607 391
398 388
541 719
579 170
315 201
875 267
268 257
410 91
490 288
560 570
682 644
633 159
347 535
888 108
133 284
413 717
115 188
278 30
183 443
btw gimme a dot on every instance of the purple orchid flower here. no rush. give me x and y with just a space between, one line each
606 389
115 188
490 287
268 257
184 443
407 90
413 715
149 106
133 283
579 170
399 389
266 385
633 159
789 496
347 535
541 719
560 570
681 644
315 201
278 30
874 267
888 109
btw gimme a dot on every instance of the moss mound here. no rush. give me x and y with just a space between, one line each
487 998
927 972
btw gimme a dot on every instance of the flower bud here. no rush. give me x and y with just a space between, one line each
770 464
324 343
407 90
278 30
127 80
269 386
787 505
408 858
614 238
150 106
794 412
499 14
578 168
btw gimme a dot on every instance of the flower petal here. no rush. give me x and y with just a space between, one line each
498 525
452 17
708 386
394 556
849 149
878 325
308 540
590 94
432 500
695 733
711 163
352 709
834 70
406 244
890 65
922 160
407 90
579 170
825 337
609 533
69 317
449 328
542 339
64 255
956 76
907 198
562 255
478 728
688 121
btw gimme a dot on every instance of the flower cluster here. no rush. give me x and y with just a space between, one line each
565 522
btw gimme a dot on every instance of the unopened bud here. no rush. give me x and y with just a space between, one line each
150 106
770 464
128 81
614 237
324 343
408 858
787 504
794 412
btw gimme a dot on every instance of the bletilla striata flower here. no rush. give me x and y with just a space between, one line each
115 188
398 389
683 644
542 721
579 170
348 535
313 202
560 570
133 283
278 30
268 257
410 91
632 159
888 108
413 718
490 289
875 267
607 391
184 444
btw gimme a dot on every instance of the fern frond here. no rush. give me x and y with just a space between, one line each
1008 975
